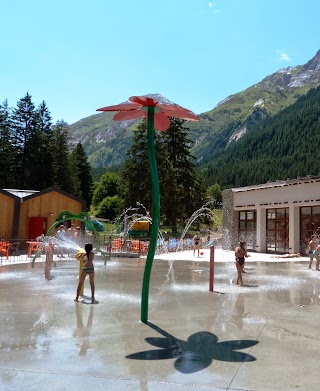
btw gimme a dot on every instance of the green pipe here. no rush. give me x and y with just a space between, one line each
155 216
58 222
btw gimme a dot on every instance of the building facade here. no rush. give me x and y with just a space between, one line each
276 217
27 214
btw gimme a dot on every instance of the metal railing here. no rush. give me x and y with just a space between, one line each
24 250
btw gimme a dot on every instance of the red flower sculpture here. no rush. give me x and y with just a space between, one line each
139 108
156 115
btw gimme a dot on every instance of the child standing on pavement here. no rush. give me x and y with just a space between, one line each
240 253
88 269
312 250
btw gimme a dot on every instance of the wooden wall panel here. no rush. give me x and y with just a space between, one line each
7 216
47 205
23 223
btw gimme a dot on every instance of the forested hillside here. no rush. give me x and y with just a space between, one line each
234 116
268 132
106 141
281 147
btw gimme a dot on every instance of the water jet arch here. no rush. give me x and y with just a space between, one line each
66 216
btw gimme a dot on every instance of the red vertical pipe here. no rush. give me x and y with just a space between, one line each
211 269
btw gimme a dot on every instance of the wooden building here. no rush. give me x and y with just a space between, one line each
28 214
10 209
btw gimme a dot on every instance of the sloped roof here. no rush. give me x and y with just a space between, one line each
24 195
21 193
10 195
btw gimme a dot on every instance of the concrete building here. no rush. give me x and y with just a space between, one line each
276 217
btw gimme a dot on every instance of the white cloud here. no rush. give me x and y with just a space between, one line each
212 9
283 56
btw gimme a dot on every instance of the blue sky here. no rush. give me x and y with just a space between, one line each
80 55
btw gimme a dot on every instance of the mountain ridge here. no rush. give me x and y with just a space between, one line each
278 148
106 141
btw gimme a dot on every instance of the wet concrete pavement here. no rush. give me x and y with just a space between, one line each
263 336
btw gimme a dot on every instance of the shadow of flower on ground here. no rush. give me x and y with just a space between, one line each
196 353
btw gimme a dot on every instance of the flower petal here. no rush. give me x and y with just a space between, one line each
143 100
121 107
178 112
161 121
132 114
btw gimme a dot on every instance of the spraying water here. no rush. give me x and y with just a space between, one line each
204 211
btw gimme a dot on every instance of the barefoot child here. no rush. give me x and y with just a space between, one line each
312 250
240 253
88 269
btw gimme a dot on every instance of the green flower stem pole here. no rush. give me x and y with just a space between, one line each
155 216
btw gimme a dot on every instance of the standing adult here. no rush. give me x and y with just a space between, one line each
61 235
71 232
318 257
240 253
312 250
196 244
78 236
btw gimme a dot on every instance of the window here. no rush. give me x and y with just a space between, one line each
247 228
278 230
309 225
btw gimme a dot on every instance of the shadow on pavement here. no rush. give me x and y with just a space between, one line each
196 353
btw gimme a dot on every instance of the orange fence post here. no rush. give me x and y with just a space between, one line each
211 281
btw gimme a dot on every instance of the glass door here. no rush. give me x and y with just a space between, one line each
278 230
247 228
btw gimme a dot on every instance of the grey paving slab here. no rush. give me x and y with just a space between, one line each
263 336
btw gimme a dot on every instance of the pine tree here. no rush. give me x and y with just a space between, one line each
7 152
63 176
181 192
83 173
135 175
190 194
39 150
23 126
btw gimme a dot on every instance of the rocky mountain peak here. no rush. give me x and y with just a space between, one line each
313 64
298 76
308 73
106 141
160 99
157 97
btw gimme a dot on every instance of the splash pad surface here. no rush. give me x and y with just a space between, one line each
196 338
